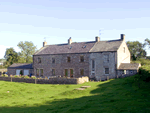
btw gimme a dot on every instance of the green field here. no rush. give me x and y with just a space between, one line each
124 95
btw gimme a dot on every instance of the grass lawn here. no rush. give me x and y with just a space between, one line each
124 95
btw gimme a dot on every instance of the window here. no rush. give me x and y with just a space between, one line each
66 72
69 59
81 58
106 58
39 60
53 71
131 72
53 60
106 70
93 65
37 72
41 72
124 49
82 72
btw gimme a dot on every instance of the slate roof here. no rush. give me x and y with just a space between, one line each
81 47
130 66
21 66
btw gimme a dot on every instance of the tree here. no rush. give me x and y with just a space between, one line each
27 50
147 42
11 56
136 49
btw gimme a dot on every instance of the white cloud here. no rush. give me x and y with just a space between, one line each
3 50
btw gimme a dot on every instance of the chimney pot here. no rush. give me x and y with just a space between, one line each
44 43
122 36
97 39
70 41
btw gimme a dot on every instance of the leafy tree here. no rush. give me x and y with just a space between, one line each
11 56
147 42
27 50
136 49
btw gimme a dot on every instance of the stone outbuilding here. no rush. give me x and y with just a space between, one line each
15 69
128 69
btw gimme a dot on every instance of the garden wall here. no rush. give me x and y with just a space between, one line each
56 80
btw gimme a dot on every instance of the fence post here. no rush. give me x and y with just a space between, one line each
117 76
100 79
11 79
35 81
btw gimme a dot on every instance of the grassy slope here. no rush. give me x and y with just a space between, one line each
113 96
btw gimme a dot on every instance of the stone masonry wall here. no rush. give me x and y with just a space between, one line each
13 71
121 56
61 64
100 65
53 80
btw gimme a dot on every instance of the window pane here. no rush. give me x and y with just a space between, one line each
37 72
41 72
69 59
53 71
106 70
81 71
66 72
82 58
53 60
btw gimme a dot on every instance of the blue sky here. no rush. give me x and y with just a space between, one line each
32 20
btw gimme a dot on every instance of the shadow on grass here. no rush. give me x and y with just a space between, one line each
118 95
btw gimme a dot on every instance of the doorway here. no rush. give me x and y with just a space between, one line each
71 73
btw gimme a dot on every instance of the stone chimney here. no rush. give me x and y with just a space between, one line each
123 37
70 41
44 43
97 39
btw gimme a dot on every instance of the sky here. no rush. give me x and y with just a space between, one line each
57 20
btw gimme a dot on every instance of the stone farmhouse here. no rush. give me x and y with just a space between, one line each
95 59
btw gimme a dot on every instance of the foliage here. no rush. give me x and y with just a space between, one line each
4 75
26 76
11 56
144 72
142 61
33 77
21 72
27 50
136 49
16 76
147 42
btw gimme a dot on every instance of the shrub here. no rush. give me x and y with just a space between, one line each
144 72
33 77
16 76
26 76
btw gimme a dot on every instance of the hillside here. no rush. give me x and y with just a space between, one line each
124 95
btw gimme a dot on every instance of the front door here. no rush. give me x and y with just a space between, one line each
71 72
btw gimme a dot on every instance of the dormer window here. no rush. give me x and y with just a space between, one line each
53 60
81 58
68 59
84 47
39 60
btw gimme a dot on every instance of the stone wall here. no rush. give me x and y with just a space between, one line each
61 64
101 64
52 80
123 57
13 71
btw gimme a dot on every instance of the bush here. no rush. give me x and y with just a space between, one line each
16 76
4 75
144 72
33 77
26 76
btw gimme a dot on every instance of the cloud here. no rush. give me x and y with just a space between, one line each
3 50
